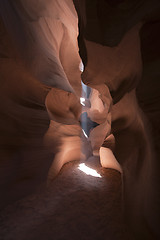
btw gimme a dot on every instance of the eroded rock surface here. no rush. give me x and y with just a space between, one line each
43 125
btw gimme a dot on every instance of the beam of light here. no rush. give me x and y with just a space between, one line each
84 90
84 133
88 171
82 100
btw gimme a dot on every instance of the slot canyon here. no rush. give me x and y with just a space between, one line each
80 119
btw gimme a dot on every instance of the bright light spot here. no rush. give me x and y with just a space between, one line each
81 66
84 133
88 171
82 100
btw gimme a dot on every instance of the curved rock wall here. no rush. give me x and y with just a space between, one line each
121 51
41 90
